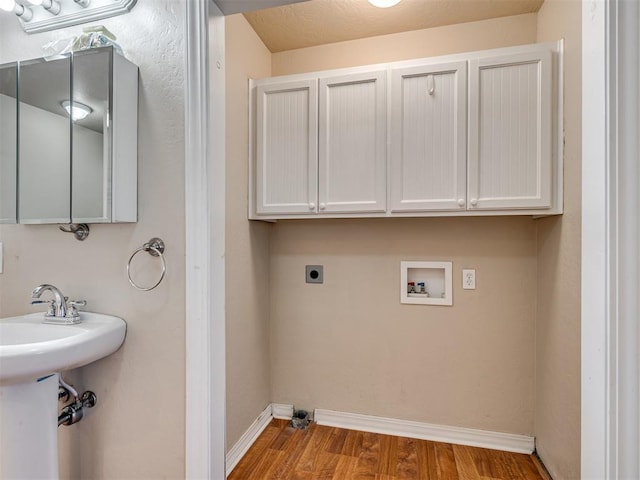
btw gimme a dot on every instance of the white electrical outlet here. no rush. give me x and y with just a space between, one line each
469 279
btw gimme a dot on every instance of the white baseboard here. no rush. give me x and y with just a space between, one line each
425 431
246 440
282 411
273 410
389 426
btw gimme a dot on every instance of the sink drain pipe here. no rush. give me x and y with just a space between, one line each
73 412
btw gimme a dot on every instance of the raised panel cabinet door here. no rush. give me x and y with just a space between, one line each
286 148
510 125
352 143
429 137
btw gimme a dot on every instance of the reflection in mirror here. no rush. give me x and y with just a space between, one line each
90 191
8 141
44 160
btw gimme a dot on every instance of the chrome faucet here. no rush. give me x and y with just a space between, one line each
59 311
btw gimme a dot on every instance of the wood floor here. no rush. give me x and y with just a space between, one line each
282 452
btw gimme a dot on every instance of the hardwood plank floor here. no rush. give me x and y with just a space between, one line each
320 452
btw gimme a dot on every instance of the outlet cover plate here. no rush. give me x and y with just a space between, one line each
314 274
468 279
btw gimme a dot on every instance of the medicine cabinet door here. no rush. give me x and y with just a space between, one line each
90 193
8 142
44 159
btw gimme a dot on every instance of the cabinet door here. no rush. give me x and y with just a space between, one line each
89 139
510 126
287 148
104 142
429 137
352 133
44 141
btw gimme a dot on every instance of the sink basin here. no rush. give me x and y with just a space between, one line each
32 354
30 349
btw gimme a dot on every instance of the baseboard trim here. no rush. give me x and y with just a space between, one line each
282 411
273 410
390 426
246 440
425 431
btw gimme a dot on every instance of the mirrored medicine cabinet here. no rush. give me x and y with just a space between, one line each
68 139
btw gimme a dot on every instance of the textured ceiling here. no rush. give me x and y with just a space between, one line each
317 22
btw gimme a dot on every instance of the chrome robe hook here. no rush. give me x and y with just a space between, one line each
79 230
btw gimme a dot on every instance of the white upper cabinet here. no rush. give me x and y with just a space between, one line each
429 137
330 159
476 133
352 143
510 127
287 147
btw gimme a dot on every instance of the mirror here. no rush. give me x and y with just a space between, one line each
89 151
8 142
44 155
68 151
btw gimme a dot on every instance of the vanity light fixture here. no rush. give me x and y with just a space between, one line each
44 15
21 11
51 6
384 3
77 111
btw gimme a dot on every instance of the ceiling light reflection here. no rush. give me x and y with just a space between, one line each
77 111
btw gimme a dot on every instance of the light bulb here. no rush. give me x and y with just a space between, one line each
77 111
20 10
50 6
7 5
384 3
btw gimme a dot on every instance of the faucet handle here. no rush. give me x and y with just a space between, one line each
72 312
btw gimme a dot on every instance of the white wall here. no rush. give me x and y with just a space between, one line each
137 429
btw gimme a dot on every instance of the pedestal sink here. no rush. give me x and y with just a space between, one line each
31 356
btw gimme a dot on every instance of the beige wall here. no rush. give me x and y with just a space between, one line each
137 429
350 345
465 37
247 252
557 409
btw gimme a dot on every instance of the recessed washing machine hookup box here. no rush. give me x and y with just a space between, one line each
426 283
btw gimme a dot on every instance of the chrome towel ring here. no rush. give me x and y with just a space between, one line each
155 248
